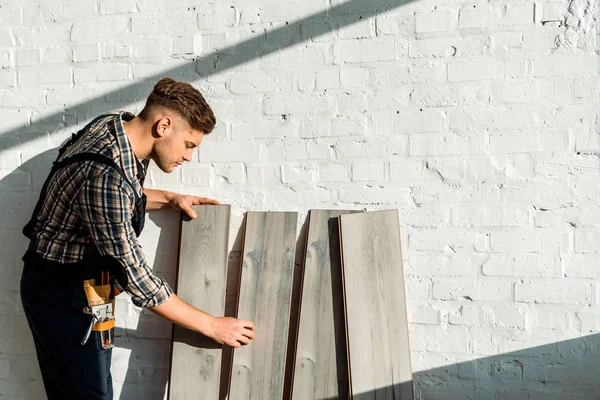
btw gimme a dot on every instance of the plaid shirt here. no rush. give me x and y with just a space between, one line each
89 206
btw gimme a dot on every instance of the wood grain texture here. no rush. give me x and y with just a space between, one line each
264 297
320 369
375 306
201 280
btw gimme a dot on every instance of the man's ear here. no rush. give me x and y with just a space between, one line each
164 126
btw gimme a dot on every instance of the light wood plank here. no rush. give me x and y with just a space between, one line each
264 297
201 279
375 306
320 369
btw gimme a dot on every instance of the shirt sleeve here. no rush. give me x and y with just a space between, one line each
105 206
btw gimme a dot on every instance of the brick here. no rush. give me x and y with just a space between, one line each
7 78
258 82
472 291
586 240
423 145
364 51
475 16
549 319
475 70
294 104
421 121
267 174
530 265
516 241
28 57
406 170
99 27
41 75
431 265
102 73
386 195
6 59
427 240
86 53
492 215
554 65
348 127
553 292
117 6
317 150
449 96
528 142
423 315
196 175
357 30
6 38
368 171
231 172
456 46
517 14
354 77
434 21
358 149
327 79
469 316
298 173
330 172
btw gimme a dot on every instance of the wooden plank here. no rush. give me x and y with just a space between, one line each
320 369
375 306
201 279
264 297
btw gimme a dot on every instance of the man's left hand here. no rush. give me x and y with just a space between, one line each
184 202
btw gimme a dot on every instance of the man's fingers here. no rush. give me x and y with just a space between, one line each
248 324
248 333
244 340
204 200
188 210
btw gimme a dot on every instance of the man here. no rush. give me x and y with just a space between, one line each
87 220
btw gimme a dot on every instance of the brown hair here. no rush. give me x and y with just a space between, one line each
185 100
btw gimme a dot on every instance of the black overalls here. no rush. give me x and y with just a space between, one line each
53 300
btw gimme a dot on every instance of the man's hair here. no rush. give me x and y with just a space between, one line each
185 100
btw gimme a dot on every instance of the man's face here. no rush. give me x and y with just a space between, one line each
175 143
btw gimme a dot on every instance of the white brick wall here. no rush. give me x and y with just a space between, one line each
477 120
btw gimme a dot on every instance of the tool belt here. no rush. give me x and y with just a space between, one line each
101 305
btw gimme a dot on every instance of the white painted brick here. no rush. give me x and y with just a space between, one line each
277 105
117 6
104 72
420 121
517 265
190 44
6 59
354 77
84 53
358 149
42 75
331 172
456 46
492 215
231 172
348 127
423 315
550 319
553 12
196 175
263 174
528 142
358 30
566 65
435 21
368 171
28 57
587 240
257 82
590 321
449 96
306 82
317 150
406 170
365 51
476 16
426 240
553 292
456 264
517 14
99 27
516 241
422 145
298 173
476 70
375 195
468 315
328 79
6 38
506 41
472 291
582 266
7 78
57 55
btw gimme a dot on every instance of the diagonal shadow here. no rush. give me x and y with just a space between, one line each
280 38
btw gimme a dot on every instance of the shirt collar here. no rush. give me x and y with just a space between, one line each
132 166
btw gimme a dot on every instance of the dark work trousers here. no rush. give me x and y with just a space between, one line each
53 300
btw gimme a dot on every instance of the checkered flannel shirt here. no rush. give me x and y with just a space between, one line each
89 206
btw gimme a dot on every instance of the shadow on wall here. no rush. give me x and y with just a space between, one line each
277 39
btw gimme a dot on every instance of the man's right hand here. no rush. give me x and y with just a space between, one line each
224 330
231 331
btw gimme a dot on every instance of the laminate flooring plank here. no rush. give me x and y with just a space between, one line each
375 306
320 370
201 282
264 297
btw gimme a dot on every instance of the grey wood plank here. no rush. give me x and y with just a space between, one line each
375 306
264 297
320 369
201 280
